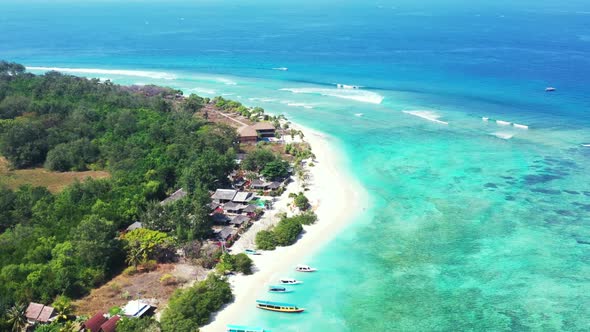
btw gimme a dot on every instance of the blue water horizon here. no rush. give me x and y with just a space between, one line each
479 178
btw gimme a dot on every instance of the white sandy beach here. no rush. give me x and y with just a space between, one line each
336 198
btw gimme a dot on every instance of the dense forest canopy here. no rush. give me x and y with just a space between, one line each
147 138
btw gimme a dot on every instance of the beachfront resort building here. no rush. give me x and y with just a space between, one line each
251 134
37 313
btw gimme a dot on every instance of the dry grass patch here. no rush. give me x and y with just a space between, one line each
53 181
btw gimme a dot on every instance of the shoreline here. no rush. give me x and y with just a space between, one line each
330 184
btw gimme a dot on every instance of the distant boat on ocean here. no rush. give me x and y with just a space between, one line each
281 68
278 306
290 281
305 268
549 89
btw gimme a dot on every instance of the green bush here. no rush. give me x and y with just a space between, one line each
190 308
301 202
243 263
265 240
287 231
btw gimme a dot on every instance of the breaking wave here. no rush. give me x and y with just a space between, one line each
204 91
362 96
427 115
503 135
134 73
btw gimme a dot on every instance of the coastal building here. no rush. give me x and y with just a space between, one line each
233 207
137 309
94 323
251 134
243 197
110 325
224 195
239 220
225 233
179 194
37 313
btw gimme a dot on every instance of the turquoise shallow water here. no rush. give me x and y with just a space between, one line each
474 226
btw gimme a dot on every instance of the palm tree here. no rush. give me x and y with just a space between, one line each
63 307
135 256
16 317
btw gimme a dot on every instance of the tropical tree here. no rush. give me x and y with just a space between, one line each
15 316
63 307
135 256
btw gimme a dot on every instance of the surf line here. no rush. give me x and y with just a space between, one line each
505 123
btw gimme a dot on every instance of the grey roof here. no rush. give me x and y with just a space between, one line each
180 193
213 205
243 197
135 225
257 183
250 208
232 206
226 231
238 220
274 185
224 194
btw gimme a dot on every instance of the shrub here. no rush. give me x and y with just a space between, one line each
129 271
301 202
168 279
307 218
150 265
287 231
265 240
243 263
115 310
126 295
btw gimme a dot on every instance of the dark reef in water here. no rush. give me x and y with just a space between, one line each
546 191
573 192
509 198
490 185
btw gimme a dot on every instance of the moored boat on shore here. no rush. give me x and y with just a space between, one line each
251 252
241 328
305 268
290 281
278 289
278 306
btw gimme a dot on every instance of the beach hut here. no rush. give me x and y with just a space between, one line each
233 207
243 197
137 309
258 184
110 325
94 323
224 195
239 220
39 313
179 194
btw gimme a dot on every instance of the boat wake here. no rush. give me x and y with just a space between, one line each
427 115
505 123
281 68
362 96
134 73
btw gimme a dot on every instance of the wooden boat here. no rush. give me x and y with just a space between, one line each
278 306
289 281
278 289
240 328
251 252
305 268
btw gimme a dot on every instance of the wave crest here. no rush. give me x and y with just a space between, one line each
352 94
134 73
427 115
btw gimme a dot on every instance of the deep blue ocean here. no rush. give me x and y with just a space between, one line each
480 180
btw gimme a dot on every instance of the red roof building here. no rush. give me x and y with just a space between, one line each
39 313
110 325
95 322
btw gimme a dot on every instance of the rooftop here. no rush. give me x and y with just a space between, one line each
39 312
180 193
263 126
110 325
94 323
238 220
136 308
224 194
243 197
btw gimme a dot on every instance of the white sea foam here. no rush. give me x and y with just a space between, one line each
225 81
228 94
485 119
359 114
520 126
586 145
139 83
299 105
502 123
204 90
503 135
281 68
427 115
134 73
352 94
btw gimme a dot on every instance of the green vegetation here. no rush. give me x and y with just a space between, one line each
188 309
265 162
234 263
150 143
285 232
145 324
301 202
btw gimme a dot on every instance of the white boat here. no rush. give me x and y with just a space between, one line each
290 281
281 68
549 89
305 268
